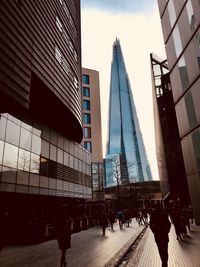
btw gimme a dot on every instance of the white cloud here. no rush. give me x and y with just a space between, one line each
139 36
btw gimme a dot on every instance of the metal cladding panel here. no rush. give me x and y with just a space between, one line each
42 39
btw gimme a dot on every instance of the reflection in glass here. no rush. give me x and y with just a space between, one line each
177 41
1 151
66 160
2 127
190 110
25 139
10 155
36 144
183 72
35 163
191 17
172 13
12 133
24 160
26 126
53 152
60 156
196 41
8 175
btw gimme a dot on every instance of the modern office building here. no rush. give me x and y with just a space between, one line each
126 159
181 30
42 164
173 179
92 134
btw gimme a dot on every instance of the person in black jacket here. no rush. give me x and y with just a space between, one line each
160 226
63 235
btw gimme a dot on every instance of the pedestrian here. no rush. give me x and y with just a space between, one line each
120 216
160 226
111 218
103 221
176 220
63 235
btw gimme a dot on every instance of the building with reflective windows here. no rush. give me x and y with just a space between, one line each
173 180
181 30
43 167
126 159
92 134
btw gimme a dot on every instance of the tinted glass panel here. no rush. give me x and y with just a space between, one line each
86 118
1 151
36 144
2 128
190 110
87 132
25 139
10 156
24 160
35 163
12 133
86 104
86 79
86 91
183 72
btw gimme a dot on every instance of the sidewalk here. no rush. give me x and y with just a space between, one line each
88 249
181 254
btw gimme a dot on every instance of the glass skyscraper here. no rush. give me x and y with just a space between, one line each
126 159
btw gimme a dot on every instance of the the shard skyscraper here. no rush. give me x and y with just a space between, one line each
126 159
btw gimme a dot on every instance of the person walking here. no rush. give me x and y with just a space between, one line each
111 218
160 226
63 235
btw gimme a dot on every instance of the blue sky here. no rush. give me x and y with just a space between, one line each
122 6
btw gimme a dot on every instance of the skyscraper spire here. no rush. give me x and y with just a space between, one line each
125 147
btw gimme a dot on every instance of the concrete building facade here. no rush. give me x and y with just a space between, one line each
181 30
92 133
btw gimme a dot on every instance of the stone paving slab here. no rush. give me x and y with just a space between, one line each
88 249
181 253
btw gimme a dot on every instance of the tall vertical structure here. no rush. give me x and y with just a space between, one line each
43 167
181 30
168 146
126 159
92 134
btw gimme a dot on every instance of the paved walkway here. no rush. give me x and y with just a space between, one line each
181 254
88 249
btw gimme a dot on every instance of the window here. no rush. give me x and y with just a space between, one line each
183 72
59 24
86 104
86 79
86 91
88 146
177 41
87 132
86 118
172 13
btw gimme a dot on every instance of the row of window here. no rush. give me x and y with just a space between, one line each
66 66
67 38
69 17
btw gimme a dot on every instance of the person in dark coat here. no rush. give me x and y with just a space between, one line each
63 235
111 218
103 221
160 226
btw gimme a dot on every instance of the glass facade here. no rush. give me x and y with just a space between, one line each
185 80
41 160
124 139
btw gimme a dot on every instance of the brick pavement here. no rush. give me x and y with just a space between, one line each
181 253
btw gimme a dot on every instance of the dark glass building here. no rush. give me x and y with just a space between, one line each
43 167
126 159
